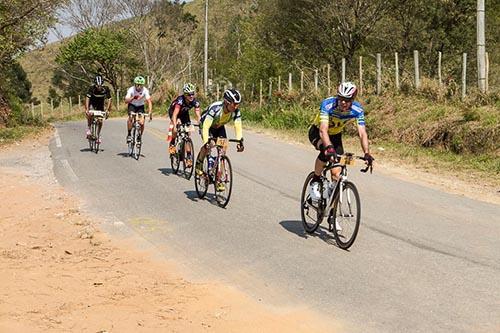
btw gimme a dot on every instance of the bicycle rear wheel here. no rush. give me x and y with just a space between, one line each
223 181
175 158
312 213
95 136
91 138
202 179
345 216
187 160
138 145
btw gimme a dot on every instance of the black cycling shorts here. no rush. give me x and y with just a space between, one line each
182 116
136 109
217 132
335 139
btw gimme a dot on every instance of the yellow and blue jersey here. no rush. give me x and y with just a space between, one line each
331 114
215 117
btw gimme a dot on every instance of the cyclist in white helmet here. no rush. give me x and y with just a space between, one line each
215 117
325 134
136 97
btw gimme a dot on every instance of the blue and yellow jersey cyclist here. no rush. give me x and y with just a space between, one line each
325 134
215 117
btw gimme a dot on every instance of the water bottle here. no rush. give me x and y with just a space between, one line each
211 160
328 189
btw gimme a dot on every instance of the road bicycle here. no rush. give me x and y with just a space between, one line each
135 146
339 202
216 170
95 129
184 151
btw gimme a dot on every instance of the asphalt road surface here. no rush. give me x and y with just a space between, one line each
424 260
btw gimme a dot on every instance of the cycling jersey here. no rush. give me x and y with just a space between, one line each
139 96
215 117
330 113
184 104
98 96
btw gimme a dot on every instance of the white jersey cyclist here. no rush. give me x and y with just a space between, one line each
139 96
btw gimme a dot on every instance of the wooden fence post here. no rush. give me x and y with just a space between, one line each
396 60
279 82
379 73
361 75
343 69
487 65
328 78
289 83
218 90
440 78
70 105
270 88
260 95
51 107
417 70
301 81
464 75
61 104
79 101
32 110
316 80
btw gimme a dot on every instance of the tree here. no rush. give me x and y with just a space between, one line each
87 14
103 51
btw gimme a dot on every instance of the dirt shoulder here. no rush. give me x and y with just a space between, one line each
61 273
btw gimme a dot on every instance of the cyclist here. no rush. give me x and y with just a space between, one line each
136 97
96 97
325 134
179 110
213 120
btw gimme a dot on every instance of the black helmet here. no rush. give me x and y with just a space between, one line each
232 96
98 80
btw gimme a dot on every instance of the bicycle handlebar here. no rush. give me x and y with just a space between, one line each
336 163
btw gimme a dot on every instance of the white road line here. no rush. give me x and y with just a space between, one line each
72 175
58 139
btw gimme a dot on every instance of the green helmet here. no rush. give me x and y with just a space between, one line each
188 88
139 80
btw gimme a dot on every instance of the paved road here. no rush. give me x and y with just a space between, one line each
424 260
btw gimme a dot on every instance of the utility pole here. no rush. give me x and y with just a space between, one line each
205 71
481 47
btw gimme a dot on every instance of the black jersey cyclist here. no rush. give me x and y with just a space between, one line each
325 134
178 111
98 98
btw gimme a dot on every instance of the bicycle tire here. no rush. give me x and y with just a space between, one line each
131 144
224 175
305 207
138 146
175 158
186 156
202 181
95 136
341 215
91 137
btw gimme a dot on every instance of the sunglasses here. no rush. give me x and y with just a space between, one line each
191 94
343 99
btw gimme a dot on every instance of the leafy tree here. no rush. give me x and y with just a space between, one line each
102 51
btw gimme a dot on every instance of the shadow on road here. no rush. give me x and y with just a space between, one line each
192 195
83 150
166 171
127 155
295 226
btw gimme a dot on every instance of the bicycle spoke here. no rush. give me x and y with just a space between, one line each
346 216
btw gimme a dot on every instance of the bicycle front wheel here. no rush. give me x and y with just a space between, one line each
311 212
345 216
223 181
95 136
174 158
187 160
138 144
201 178
91 138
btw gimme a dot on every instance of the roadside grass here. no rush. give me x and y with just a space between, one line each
9 135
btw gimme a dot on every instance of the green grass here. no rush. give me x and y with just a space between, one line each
12 134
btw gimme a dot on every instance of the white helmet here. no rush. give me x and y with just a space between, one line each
347 90
188 88
232 96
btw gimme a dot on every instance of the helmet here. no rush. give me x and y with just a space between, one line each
347 90
139 80
98 80
232 96
188 88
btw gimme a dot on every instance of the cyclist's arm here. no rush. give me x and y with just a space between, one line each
129 97
363 139
108 107
206 127
323 133
238 130
150 107
197 111
87 104
177 109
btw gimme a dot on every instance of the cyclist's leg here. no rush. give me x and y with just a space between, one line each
141 110
320 161
186 120
337 144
